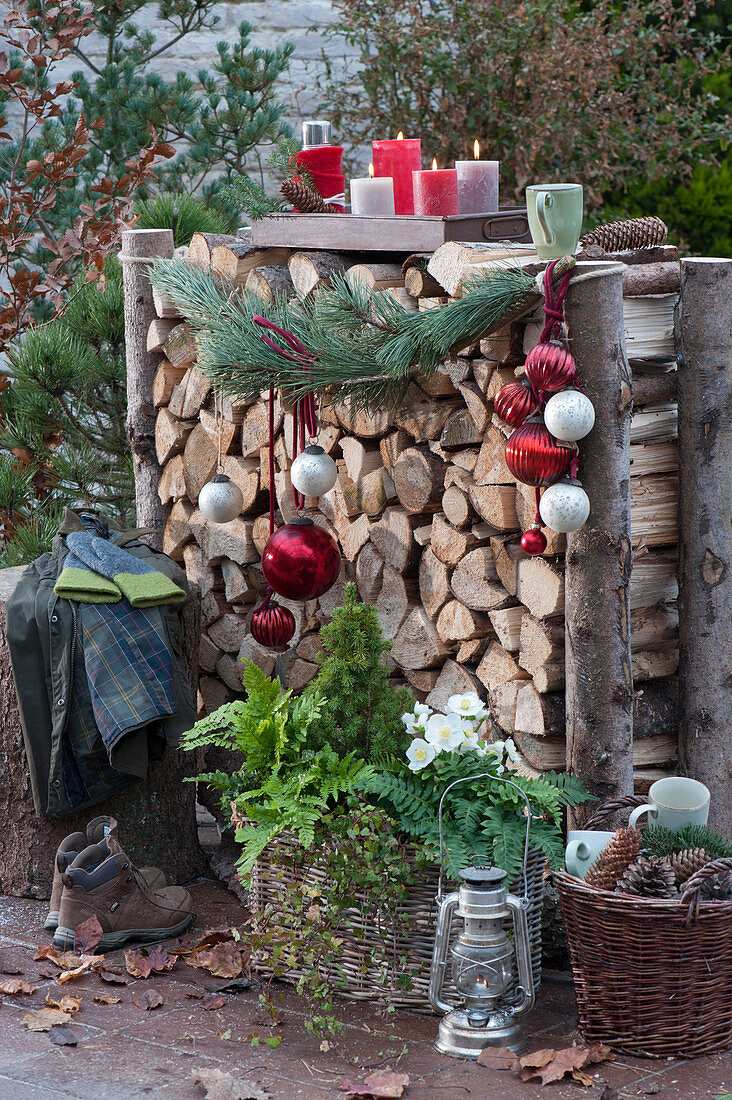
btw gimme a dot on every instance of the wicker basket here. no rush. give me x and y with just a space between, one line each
368 945
652 977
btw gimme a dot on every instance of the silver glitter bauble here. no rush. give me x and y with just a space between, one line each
313 472
220 499
569 415
564 506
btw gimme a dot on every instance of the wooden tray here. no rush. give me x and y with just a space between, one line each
360 233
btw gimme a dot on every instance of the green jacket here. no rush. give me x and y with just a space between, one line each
43 648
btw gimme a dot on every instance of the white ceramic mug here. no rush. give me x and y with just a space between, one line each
674 802
583 849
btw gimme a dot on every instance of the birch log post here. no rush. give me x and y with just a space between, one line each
705 529
139 245
599 682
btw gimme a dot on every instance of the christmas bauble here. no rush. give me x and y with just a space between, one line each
220 499
533 455
272 626
569 415
301 561
514 402
550 366
565 506
533 541
313 472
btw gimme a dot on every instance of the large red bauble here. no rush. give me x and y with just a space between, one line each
550 367
272 626
533 541
301 561
533 455
514 402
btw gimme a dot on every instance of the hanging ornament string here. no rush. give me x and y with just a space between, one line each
554 303
304 419
219 415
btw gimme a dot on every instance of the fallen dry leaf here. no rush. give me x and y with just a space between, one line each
149 999
7 967
379 1083
46 951
86 963
106 999
11 986
114 974
497 1058
553 1065
45 1019
220 1085
63 1036
213 1003
141 965
225 960
87 935
161 959
195 994
67 1003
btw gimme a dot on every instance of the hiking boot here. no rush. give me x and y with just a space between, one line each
97 832
108 887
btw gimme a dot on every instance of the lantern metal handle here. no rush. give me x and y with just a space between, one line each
522 947
446 911
499 779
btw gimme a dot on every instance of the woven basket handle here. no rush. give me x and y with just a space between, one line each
607 809
693 885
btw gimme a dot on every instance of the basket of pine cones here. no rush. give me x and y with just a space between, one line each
649 931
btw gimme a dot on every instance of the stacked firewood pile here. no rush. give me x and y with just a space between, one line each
426 512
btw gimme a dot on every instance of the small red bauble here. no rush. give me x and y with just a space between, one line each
550 367
533 455
533 541
272 626
301 561
514 402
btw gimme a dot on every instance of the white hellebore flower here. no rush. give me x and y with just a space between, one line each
419 754
416 721
511 751
445 731
467 706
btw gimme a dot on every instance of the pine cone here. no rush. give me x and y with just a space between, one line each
306 200
631 233
648 877
687 862
622 850
718 888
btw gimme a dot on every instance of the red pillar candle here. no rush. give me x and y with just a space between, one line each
436 192
399 159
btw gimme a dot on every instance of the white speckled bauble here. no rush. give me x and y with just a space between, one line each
565 505
569 415
313 472
220 499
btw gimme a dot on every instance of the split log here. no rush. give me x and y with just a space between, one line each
213 606
437 384
260 533
653 579
482 370
434 583
420 415
458 623
498 666
375 276
231 540
255 427
500 376
366 425
200 571
200 249
167 377
705 513
309 270
234 409
471 650
354 536
300 673
502 704
165 307
177 531
505 345
451 544
496 504
213 694
454 679
655 424
459 431
220 431
475 582
506 622
420 284
310 647
393 537
655 389
369 570
419 478
475 401
653 458
452 264
244 472
170 436
396 598
199 461
158 333
491 468
654 510
270 282
180 346
208 654
236 583
548 753
423 535
457 507
172 484
392 446
417 644
190 394
233 261
641 280
458 369
139 245
541 587
507 554
227 633
359 461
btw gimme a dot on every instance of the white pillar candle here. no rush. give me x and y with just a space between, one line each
477 184
372 195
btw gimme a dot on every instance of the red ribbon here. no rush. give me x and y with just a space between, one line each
554 306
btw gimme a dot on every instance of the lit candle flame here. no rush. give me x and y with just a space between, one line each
371 171
434 164
400 136
476 149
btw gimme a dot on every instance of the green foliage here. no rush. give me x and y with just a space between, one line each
282 785
184 214
361 712
658 841
484 819
251 197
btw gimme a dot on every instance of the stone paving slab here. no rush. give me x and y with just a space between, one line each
127 1053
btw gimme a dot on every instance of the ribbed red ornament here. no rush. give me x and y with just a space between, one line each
514 402
533 455
533 541
550 367
272 626
301 561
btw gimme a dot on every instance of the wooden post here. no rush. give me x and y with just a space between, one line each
139 245
705 530
599 682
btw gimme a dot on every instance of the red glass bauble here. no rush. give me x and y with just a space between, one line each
550 367
533 542
533 455
301 561
272 626
514 402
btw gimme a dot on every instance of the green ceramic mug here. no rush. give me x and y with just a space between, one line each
555 218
